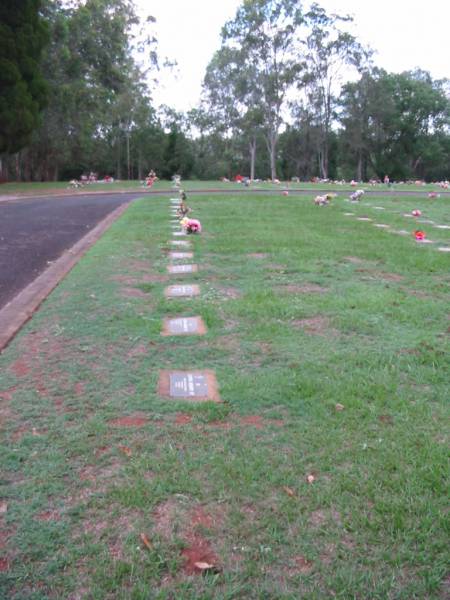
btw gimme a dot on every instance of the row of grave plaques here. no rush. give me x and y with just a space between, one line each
193 386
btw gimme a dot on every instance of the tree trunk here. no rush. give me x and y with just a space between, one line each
271 142
140 165
128 157
359 176
252 146
118 169
17 166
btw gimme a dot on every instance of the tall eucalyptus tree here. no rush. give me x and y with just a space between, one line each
255 67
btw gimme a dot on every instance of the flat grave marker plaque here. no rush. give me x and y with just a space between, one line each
381 225
442 226
194 386
182 291
181 255
176 269
363 219
444 249
348 214
183 243
179 233
183 326
379 207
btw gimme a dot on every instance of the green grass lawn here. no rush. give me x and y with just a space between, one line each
54 187
323 473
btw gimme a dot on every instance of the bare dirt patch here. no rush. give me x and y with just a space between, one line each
136 420
354 260
136 265
300 566
374 274
127 279
139 350
257 255
176 518
133 293
318 325
198 552
48 515
20 368
306 288
183 419
8 394
386 419
320 517
4 565
80 388
229 293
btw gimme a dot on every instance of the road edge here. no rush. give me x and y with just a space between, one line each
21 308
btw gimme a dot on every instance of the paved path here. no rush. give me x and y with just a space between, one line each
35 232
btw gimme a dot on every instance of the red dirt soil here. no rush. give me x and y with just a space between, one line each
130 421
197 551
183 419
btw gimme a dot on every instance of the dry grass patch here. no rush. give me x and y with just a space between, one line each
317 325
306 288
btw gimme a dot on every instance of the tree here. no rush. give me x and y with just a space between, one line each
233 99
326 50
394 123
96 90
257 53
23 92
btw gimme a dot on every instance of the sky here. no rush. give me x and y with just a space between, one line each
405 33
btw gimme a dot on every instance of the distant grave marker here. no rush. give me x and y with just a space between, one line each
399 231
194 386
381 225
181 255
182 291
348 214
183 243
179 232
177 269
184 326
442 226
444 249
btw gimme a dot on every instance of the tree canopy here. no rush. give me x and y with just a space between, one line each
23 89
290 92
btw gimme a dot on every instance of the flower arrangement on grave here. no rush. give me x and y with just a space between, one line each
191 225
419 235
433 195
356 196
183 210
321 200
416 212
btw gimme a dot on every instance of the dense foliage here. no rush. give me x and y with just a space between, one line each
275 99
23 34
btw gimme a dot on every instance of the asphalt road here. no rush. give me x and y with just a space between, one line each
34 232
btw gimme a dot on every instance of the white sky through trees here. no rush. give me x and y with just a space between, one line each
405 33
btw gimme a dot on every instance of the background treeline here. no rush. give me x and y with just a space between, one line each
289 93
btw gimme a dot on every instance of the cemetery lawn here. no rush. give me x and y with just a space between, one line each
62 187
321 474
